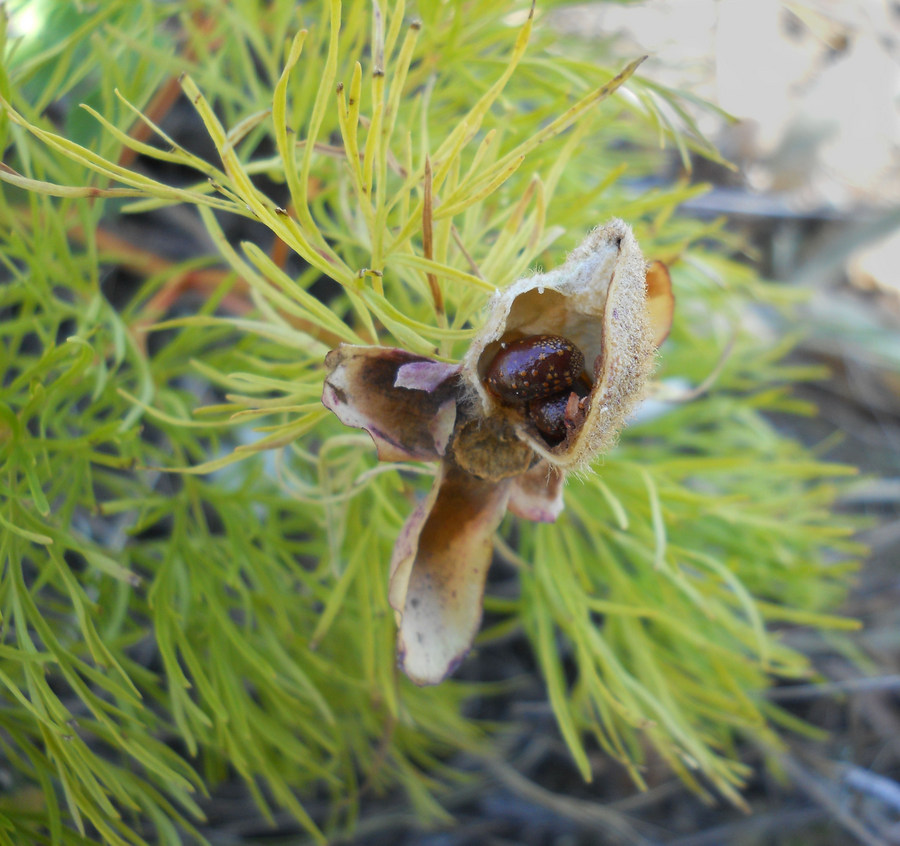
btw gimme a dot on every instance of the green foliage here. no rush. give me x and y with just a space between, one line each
162 629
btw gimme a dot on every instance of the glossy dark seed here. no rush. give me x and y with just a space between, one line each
549 413
534 367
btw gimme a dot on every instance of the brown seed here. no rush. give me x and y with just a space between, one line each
530 357
549 413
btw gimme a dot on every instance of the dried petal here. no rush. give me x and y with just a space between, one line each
538 494
660 300
438 571
406 402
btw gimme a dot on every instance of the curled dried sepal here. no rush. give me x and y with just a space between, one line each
660 301
538 494
597 301
438 571
406 402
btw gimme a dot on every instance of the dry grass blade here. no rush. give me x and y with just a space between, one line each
828 797
428 245
614 824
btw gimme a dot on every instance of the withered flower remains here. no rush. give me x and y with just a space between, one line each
544 388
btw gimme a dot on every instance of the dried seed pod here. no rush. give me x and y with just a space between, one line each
533 367
601 304
596 301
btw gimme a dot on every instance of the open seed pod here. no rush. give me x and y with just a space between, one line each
595 301
545 386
